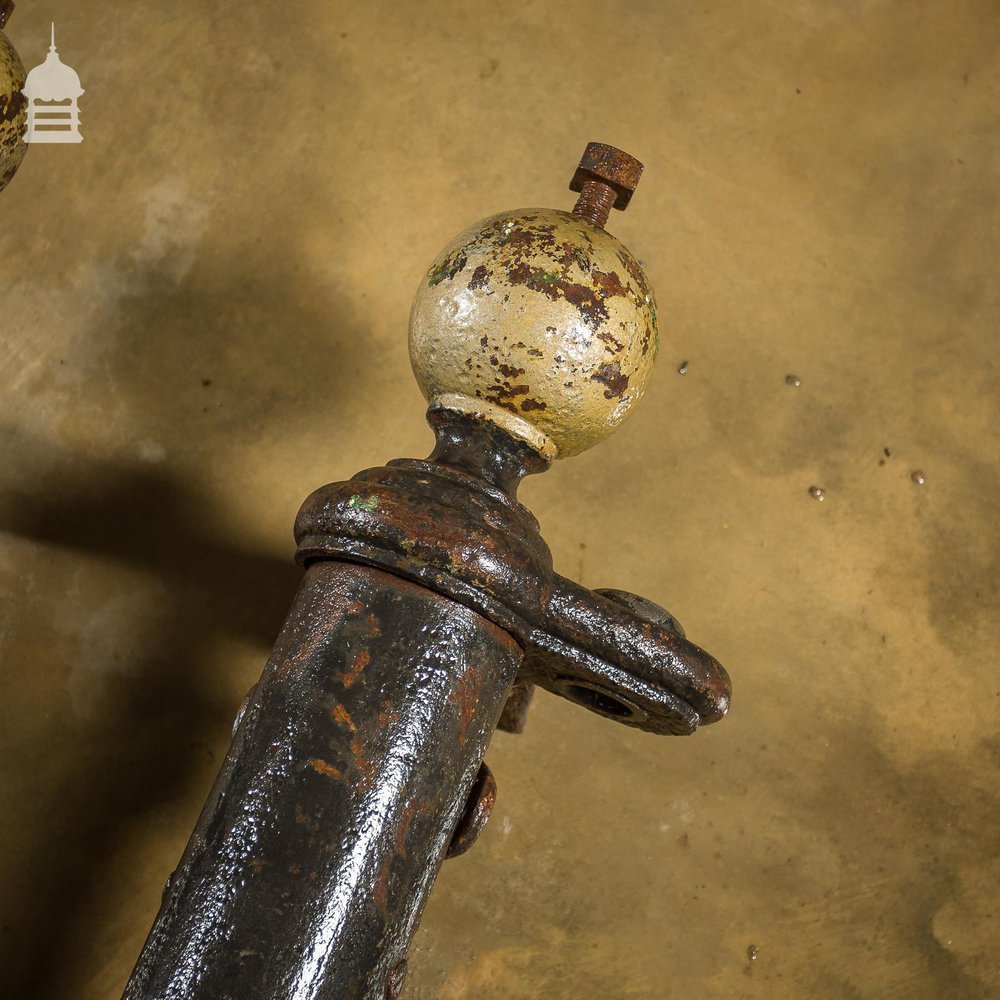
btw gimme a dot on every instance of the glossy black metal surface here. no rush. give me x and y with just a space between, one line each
349 771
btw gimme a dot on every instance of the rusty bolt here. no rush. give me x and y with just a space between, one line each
515 709
644 608
478 807
605 179
394 984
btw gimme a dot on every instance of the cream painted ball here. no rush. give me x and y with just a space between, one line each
539 321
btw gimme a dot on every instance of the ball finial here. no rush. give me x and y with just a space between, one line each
539 320
13 104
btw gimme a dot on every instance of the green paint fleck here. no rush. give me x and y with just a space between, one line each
448 268
538 279
358 502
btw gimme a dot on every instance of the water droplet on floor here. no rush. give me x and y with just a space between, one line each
793 380
817 493
918 478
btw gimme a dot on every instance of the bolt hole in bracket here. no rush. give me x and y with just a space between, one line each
625 658
610 651
598 698
595 699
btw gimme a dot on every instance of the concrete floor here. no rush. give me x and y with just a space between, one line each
204 311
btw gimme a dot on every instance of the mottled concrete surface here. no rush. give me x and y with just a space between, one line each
203 313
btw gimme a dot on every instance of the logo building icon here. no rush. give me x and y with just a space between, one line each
52 89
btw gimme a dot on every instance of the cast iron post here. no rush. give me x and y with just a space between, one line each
429 603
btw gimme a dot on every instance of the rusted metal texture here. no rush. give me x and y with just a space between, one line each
606 178
429 612
348 774
609 166
478 807
444 526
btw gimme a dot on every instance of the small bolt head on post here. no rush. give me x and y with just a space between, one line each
606 179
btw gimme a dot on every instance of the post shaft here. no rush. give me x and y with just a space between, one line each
350 768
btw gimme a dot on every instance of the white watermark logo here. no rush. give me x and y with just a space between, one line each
52 89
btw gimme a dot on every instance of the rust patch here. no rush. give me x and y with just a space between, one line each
480 278
361 660
387 714
321 767
530 239
465 697
410 811
610 375
304 652
590 306
509 371
608 283
381 889
503 395
635 272
532 404
342 716
613 344
365 767
552 285
510 391
647 338
572 253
